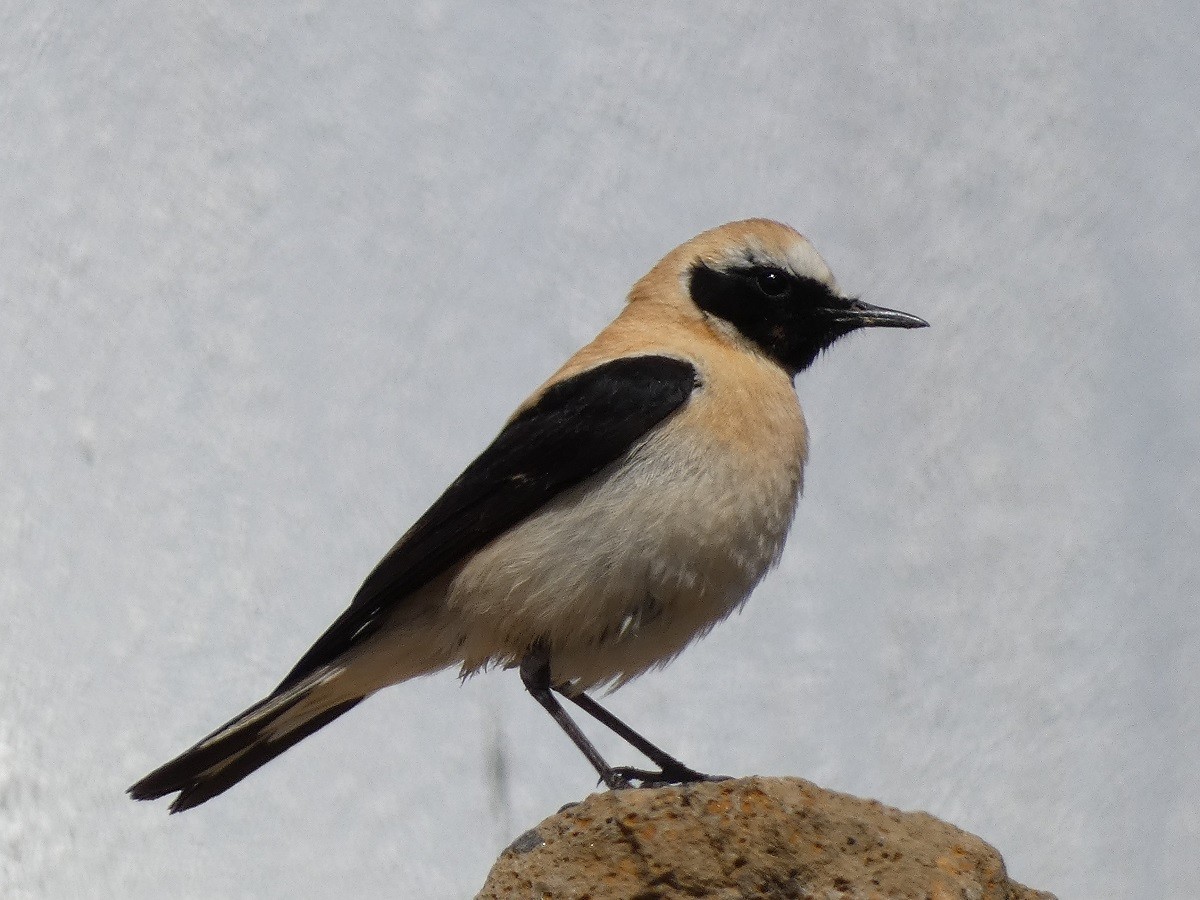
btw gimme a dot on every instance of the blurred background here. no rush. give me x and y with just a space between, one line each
272 274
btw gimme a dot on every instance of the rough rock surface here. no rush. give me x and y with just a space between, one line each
753 837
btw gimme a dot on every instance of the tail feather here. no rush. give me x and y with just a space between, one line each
245 743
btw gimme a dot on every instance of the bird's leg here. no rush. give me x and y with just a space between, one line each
535 673
672 771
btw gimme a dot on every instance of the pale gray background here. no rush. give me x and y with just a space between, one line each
271 274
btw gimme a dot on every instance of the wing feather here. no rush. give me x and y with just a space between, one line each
577 427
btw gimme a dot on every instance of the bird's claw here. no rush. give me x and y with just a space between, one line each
628 777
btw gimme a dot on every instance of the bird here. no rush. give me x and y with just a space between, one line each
631 503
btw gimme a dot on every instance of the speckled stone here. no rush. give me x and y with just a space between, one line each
754 837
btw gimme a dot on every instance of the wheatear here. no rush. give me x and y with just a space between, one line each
628 506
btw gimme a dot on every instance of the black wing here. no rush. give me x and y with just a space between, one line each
576 428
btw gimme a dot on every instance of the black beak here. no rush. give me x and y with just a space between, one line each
857 314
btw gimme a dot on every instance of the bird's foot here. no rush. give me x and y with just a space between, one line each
615 779
669 774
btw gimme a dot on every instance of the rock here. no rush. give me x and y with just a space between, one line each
754 837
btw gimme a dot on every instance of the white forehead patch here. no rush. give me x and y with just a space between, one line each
799 257
805 261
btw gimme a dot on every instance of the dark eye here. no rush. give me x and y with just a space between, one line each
772 282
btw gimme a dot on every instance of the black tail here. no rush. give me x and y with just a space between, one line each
237 748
